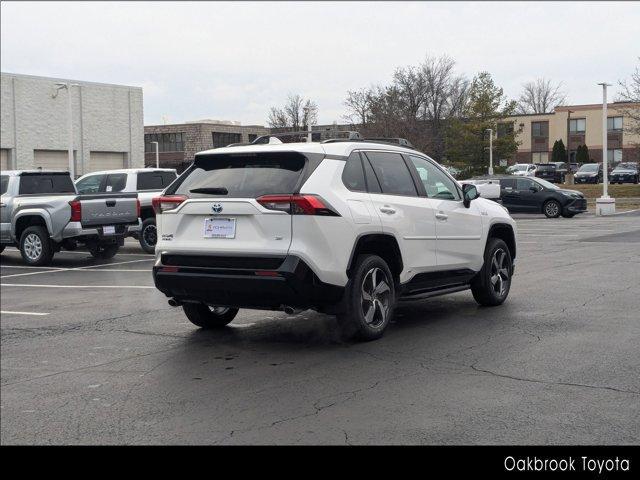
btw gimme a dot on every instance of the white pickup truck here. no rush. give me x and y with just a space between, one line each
41 213
146 182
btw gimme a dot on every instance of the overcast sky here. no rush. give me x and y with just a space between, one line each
233 61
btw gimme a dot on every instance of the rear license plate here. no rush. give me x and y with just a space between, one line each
219 228
109 230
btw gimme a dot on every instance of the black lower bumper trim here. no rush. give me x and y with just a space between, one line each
293 284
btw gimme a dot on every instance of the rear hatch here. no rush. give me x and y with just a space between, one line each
546 171
108 209
215 207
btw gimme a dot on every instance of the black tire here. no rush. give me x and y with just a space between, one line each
209 317
371 278
488 290
35 246
551 209
148 235
103 252
1 248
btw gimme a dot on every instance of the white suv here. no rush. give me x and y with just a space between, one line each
343 227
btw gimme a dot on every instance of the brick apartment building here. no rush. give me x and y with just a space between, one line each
178 143
582 124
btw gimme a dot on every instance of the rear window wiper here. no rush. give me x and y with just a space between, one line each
211 190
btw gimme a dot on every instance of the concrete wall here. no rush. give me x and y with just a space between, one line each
106 118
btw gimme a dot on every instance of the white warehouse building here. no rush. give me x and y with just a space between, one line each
107 124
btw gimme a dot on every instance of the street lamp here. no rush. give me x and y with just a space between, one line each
67 86
490 150
157 155
605 205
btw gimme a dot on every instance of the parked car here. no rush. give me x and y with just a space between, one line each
589 173
41 213
342 227
146 182
535 195
553 172
522 170
574 167
627 172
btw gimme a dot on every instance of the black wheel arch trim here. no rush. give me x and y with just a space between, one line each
365 237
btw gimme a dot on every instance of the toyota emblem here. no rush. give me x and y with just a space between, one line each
216 208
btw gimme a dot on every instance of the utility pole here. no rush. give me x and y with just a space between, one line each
490 150
605 205
67 86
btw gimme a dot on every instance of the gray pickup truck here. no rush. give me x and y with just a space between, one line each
42 212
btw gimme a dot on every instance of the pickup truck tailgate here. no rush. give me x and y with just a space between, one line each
109 209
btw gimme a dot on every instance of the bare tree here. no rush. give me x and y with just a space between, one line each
630 92
540 96
358 105
296 113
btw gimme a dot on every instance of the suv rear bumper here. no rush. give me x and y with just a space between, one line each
292 283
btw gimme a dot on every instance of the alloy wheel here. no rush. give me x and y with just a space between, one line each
33 246
499 272
552 209
376 296
150 235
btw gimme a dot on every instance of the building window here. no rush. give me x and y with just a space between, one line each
540 129
614 124
167 142
577 125
540 157
504 129
614 156
222 139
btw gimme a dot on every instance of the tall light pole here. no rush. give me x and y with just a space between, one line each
490 150
157 154
67 86
605 205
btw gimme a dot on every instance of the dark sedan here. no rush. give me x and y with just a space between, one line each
535 195
625 173
589 173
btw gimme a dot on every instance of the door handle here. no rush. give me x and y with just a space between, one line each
441 216
388 210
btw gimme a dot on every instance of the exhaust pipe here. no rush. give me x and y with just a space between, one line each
174 303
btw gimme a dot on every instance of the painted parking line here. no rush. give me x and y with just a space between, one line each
72 286
28 267
87 267
7 312
13 249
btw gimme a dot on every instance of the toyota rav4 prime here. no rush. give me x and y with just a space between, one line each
343 227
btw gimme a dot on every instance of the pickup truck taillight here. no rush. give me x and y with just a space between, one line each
166 202
76 211
297 204
138 207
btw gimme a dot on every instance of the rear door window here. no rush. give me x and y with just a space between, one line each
509 183
242 176
45 183
116 182
154 180
392 173
353 174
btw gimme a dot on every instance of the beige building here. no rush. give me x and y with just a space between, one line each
583 125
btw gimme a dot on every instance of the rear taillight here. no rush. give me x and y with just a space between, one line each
76 211
298 204
137 208
167 202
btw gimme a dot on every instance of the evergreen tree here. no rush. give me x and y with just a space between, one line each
467 139
559 153
582 154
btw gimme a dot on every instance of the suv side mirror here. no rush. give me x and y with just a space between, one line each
469 192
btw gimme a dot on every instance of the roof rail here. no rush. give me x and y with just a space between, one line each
402 142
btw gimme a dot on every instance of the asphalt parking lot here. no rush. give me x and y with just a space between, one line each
91 353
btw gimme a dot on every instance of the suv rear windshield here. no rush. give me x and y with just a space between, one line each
548 167
4 184
245 176
45 183
154 180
